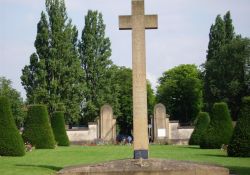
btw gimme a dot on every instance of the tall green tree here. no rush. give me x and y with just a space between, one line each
224 78
15 100
180 90
229 28
54 74
216 38
95 52
33 76
247 75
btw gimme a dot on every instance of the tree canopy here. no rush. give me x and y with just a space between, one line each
180 90
224 71
95 52
54 74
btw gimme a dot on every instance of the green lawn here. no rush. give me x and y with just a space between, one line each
45 162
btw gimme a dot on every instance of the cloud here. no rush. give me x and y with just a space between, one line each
182 36
153 80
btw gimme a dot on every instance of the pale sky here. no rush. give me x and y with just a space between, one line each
182 37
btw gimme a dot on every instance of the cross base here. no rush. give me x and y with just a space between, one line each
140 154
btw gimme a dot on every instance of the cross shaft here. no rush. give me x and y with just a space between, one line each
138 22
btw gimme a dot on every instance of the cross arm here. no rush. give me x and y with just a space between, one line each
151 22
125 22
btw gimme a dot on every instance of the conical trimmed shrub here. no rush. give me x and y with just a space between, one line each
11 143
58 126
37 128
202 123
239 145
220 129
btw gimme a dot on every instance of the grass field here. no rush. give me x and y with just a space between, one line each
47 162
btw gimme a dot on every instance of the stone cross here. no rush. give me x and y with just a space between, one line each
138 22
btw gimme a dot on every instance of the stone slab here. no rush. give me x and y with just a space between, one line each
145 167
107 123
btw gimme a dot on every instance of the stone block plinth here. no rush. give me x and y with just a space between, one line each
145 167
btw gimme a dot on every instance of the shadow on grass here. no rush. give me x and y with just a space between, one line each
41 166
190 147
214 155
239 170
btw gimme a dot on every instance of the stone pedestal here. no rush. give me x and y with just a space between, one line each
145 167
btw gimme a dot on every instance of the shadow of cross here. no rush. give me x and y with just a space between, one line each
138 22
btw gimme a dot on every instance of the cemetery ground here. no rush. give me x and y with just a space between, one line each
48 162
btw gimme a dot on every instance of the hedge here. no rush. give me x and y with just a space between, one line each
37 128
58 126
239 145
202 123
11 143
220 129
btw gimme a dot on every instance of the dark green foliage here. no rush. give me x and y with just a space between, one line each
150 98
58 126
95 52
11 143
61 107
37 128
54 74
180 90
124 80
239 145
220 129
16 102
201 125
224 71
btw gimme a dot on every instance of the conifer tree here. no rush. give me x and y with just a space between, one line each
11 143
201 125
239 145
220 128
16 102
37 128
58 126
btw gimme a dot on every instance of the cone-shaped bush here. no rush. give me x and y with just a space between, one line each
37 128
220 129
11 142
239 145
58 126
201 125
